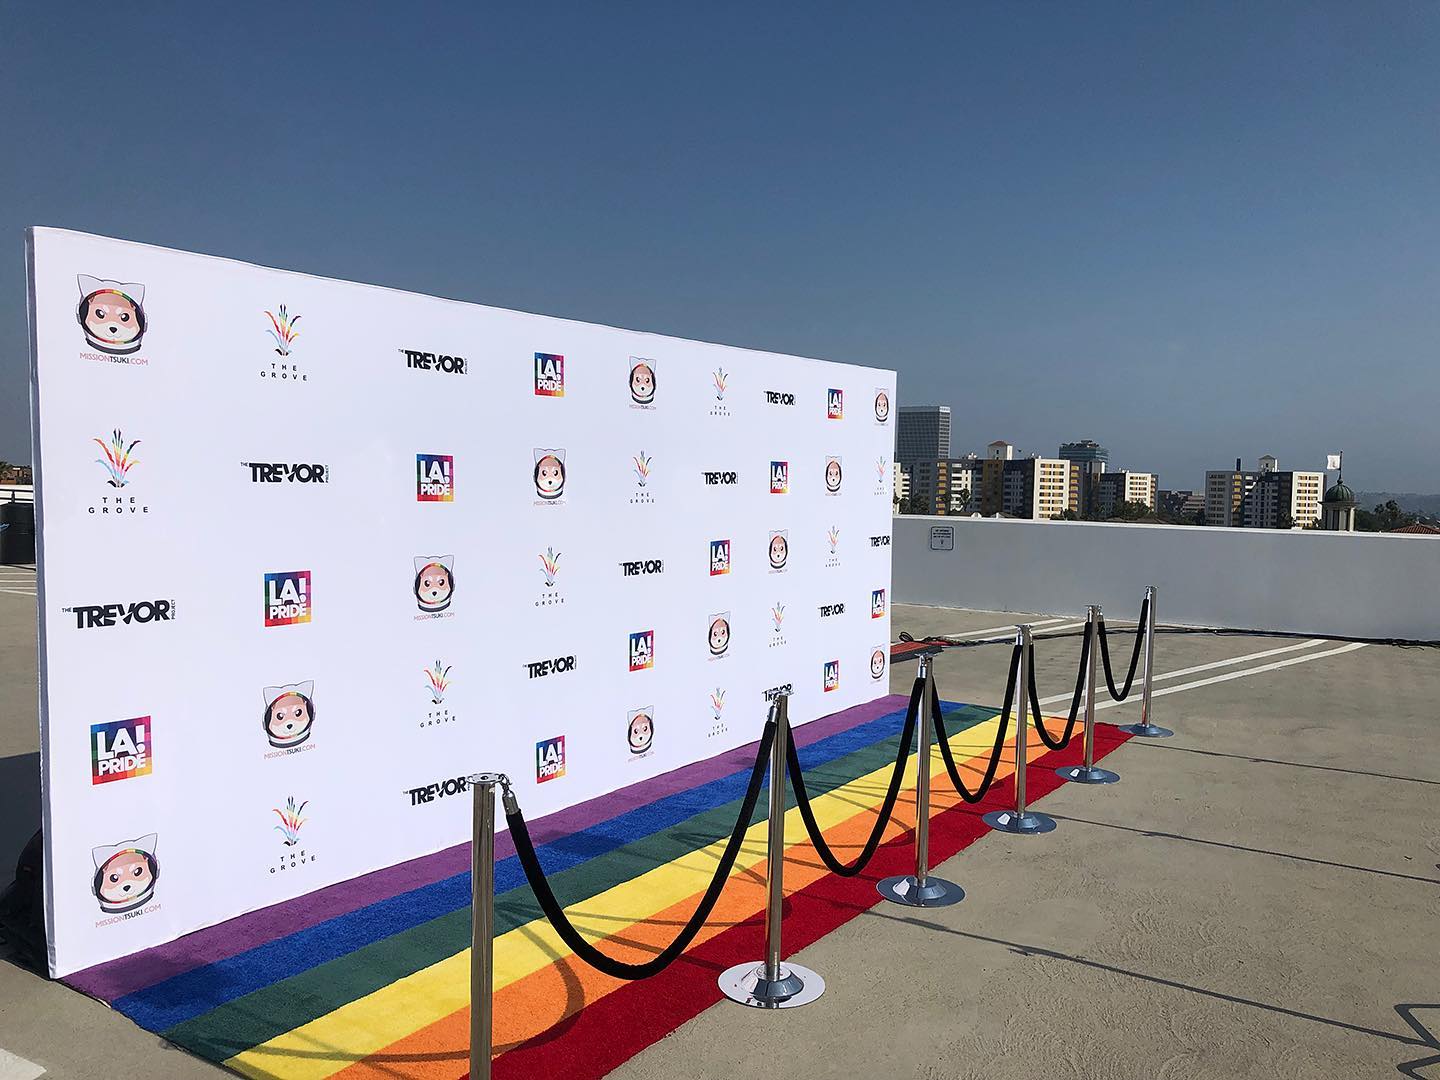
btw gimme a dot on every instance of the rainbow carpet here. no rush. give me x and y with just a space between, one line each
370 977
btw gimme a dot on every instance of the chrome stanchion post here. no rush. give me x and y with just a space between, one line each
1146 729
1021 820
920 889
482 922
772 984
1087 773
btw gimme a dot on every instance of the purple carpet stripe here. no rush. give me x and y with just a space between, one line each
130 974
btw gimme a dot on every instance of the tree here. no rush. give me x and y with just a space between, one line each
1069 515
1285 521
965 498
1386 517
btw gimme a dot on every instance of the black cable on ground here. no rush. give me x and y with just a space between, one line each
618 969
943 736
807 814
1064 740
1134 656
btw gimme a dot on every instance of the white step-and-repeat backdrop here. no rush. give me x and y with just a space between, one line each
312 551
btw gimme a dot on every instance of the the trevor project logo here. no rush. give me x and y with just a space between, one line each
550 759
139 612
429 361
549 375
835 404
721 477
642 650
278 472
434 478
779 477
779 397
832 675
877 604
719 557
288 598
121 749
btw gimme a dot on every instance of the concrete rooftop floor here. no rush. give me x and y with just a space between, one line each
1258 897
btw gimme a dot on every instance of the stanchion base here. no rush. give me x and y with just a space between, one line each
1087 774
1147 731
1026 824
746 983
936 892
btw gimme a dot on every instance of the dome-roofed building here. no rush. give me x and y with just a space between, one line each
1337 508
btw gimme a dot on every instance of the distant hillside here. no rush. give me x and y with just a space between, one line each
1429 505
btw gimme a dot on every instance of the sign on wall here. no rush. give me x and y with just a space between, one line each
312 551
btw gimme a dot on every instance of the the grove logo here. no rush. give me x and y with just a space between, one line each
641 463
777 622
557 665
779 397
121 749
292 820
718 635
437 682
264 472
833 539
719 408
882 406
441 789
417 360
641 567
289 716
882 473
550 759
721 477
719 557
434 585
779 550
88 616
288 598
642 383
779 477
642 650
832 476
832 675
549 375
118 459
112 315
717 714
640 731
828 610
434 478
834 404
549 476
283 331
877 662
877 604
550 570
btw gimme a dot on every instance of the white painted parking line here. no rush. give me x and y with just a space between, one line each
18 592
13 1067
1045 627
1229 675
999 629
1231 662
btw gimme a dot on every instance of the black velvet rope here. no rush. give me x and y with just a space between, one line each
802 797
943 736
1134 656
1038 716
618 969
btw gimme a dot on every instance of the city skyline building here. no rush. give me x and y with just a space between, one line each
922 433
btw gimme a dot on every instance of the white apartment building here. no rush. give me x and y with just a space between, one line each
1122 486
1264 499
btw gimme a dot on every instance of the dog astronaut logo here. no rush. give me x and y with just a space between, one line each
882 406
549 474
640 730
289 713
832 476
434 581
779 549
877 662
642 381
719 636
111 314
125 874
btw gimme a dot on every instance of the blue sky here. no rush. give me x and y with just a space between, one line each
1192 231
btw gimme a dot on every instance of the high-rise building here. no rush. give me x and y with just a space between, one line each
901 477
1114 488
946 486
1032 487
1088 460
922 433
1267 498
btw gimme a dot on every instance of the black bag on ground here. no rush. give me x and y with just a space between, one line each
22 907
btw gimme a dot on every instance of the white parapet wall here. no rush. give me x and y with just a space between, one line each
1366 585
